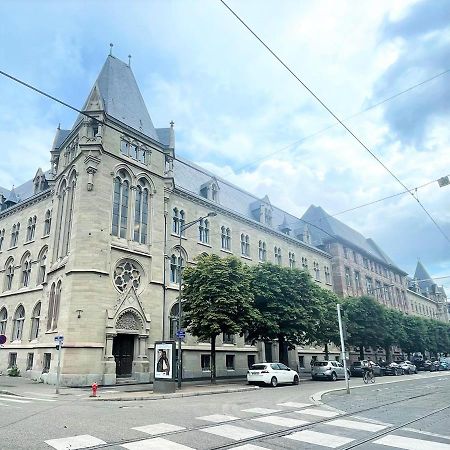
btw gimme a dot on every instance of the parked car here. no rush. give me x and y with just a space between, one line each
329 370
357 369
408 367
443 365
393 369
272 373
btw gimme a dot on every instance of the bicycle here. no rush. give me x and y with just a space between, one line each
368 376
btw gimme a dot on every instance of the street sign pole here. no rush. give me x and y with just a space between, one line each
59 340
341 334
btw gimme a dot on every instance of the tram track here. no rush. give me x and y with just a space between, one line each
290 430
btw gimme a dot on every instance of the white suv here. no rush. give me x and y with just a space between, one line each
272 373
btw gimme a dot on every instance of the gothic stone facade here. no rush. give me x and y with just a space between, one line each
96 258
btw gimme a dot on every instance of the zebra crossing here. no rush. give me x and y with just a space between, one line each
326 430
7 400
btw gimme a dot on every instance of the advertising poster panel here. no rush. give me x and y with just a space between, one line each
165 360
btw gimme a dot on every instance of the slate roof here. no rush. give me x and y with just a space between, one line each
191 177
328 228
421 274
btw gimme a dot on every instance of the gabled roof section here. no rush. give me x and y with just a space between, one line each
325 227
117 93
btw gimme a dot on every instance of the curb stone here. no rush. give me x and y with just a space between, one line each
176 395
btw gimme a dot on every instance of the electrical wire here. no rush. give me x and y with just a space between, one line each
345 119
337 119
384 198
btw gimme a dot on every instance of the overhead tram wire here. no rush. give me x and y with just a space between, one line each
384 198
345 119
73 108
337 119
103 123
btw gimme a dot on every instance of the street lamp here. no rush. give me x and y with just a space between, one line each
179 338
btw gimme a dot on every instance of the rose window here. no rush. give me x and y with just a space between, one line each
127 273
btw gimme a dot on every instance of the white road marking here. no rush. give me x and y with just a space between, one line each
261 410
74 442
158 428
249 447
410 443
294 405
318 412
281 421
354 425
313 437
232 432
5 398
38 399
217 418
156 444
426 433
39 394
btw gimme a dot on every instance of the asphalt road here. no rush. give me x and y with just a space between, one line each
283 419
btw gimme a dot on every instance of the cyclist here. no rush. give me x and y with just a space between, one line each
368 371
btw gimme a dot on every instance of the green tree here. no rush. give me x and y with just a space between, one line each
287 302
327 329
217 299
365 323
415 338
394 330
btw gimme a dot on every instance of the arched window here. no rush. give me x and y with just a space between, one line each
3 320
292 260
69 215
15 234
245 245
182 222
176 268
141 212
42 265
60 218
175 221
19 318
203 231
277 254
31 228
120 204
2 237
223 238
48 222
35 317
26 270
53 306
9 274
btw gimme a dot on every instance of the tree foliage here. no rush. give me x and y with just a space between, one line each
217 299
288 304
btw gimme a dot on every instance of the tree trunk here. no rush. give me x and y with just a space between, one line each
282 351
327 352
361 352
387 349
213 359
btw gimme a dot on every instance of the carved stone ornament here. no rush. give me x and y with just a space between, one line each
128 321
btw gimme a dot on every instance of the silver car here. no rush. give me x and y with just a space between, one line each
328 370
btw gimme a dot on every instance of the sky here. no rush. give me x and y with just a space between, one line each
239 113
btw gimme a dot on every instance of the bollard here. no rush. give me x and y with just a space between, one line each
94 389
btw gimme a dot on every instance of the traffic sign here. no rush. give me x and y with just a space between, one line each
59 339
2 339
181 334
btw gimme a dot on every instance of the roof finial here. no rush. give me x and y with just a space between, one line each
111 45
59 126
172 123
129 60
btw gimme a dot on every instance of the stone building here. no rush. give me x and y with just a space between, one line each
425 297
90 249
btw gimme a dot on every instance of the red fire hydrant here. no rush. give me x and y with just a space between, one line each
94 389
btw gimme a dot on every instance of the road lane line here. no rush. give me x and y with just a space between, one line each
355 425
155 444
410 443
158 428
323 439
232 432
281 421
74 442
217 418
318 412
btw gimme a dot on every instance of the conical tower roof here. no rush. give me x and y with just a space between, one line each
422 274
117 93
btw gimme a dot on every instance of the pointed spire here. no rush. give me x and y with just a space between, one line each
111 45
12 198
129 60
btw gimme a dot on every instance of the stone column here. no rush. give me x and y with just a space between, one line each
109 364
141 366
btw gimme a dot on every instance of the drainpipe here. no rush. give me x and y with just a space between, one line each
164 277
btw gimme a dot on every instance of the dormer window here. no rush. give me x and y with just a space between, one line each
210 190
